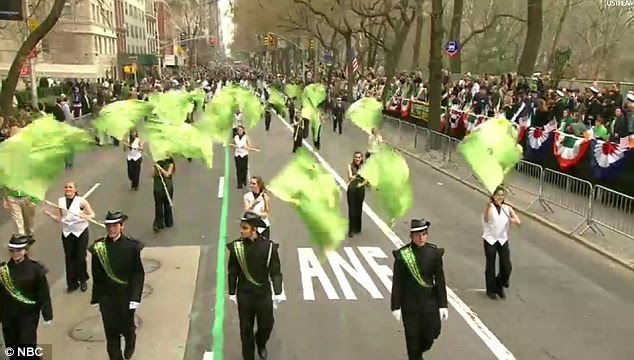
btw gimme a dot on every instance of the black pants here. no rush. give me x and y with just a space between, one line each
267 120
251 308
317 138
496 282
134 172
355 195
75 258
242 167
162 209
337 122
306 128
118 320
21 331
297 139
421 327
115 142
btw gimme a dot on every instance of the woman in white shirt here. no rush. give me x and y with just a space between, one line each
135 157
497 218
257 201
241 143
374 143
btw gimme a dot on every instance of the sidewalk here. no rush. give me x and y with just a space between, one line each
615 246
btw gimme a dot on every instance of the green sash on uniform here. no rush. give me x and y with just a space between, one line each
102 254
410 260
5 279
238 246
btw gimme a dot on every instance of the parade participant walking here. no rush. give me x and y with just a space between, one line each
374 143
298 130
317 136
22 208
135 157
419 296
267 117
73 212
338 113
254 264
162 173
241 143
118 277
259 202
355 194
24 295
496 220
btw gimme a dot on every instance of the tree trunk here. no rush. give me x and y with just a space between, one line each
11 81
418 35
349 54
533 38
560 26
435 65
454 34
393 55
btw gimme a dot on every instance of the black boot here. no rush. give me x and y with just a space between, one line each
130 344
263 353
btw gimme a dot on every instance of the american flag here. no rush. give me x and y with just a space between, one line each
355 63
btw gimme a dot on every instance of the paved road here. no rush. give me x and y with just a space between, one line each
565 302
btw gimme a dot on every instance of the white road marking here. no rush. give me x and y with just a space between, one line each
384 273
354 269
470 317
221 186
310 267
209 355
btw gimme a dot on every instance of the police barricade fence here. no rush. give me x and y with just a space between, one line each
408 136
613 210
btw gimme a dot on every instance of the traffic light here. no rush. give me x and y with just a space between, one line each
266 41
311 44
271 40
183 39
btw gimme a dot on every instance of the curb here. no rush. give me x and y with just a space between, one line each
628 264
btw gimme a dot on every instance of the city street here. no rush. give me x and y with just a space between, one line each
564 301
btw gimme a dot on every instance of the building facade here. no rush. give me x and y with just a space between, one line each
165 28
151 28
82 45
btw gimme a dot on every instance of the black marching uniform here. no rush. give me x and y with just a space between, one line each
419 304
356 196
24 294
253 288
298 130
267 118
116 290
162 210
337 113
317 135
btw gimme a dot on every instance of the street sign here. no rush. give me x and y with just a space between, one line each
25 70
328 58
452 48
33 24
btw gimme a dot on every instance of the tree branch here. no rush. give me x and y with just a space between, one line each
489 25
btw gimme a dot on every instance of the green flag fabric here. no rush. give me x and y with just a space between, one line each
31 160
276 99
366 113
171 106
185 140
293 91
118 118
315 196
388 173
491 151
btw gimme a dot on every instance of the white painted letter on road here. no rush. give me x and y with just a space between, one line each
355 270
383 272
310 267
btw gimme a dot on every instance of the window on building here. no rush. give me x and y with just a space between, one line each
96 44
94 12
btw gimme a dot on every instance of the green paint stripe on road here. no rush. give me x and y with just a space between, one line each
217 332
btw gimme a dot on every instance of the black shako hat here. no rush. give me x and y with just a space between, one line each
253 219
18 242
418 225
115 217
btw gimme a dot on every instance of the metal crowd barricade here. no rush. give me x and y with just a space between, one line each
437 146
614 210
421 139
528 178
391 129
570 193
408 136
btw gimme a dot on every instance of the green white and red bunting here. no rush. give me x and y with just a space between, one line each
473 121
569 150
537 137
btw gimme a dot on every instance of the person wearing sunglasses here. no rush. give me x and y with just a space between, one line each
496 220
419 295
24 295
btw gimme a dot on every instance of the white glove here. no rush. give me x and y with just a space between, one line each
234 299
444 314
134 305
397 314
277 299
95 306
48 323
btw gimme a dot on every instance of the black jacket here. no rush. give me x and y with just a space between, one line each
29 277
407 293
256 254
125 260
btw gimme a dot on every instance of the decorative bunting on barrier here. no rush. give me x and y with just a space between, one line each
569 150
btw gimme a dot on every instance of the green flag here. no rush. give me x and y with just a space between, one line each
388 173
491 151
366 113
118 118
315 196
217 120
178 139
293 91
172 106
276 99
